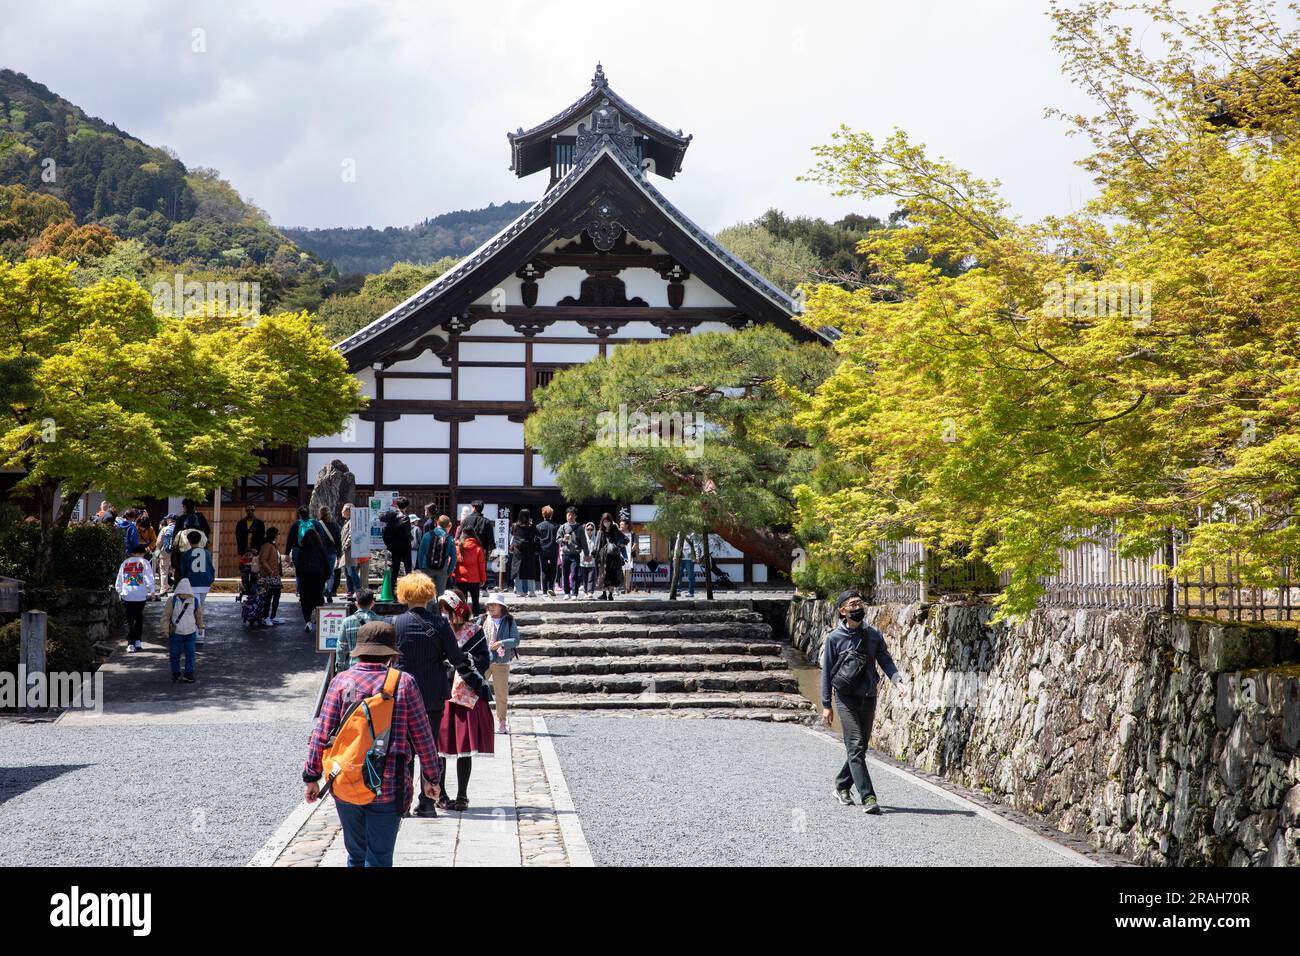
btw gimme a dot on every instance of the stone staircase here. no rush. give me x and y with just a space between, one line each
680 658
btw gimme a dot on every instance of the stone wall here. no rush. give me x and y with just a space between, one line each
1171 741
99 612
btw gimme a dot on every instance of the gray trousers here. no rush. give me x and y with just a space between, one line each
856 717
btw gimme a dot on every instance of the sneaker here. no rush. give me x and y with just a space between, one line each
130 648
139 645
844 797
307 627
460 804
188 678
870 805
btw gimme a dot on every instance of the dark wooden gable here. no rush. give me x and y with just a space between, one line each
604 201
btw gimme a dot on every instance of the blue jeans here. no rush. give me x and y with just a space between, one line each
525 586
369 832
354 578
569 569
177 643
688 576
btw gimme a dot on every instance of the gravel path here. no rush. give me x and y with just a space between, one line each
169 774
665 792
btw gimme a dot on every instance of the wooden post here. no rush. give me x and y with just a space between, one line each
1169 573
923 589
215 543
32 635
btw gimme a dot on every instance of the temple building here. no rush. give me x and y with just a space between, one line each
601 259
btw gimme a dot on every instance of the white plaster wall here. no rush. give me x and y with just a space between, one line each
366 377
490 470
413 469
416 431
418 388
491 385
491 351
362 436
542 476
556 352
491 431
426 361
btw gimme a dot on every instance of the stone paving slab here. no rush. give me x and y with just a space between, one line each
512 819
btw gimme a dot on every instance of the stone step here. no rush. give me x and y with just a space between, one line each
586 605
656 684
642 632
562 614
727 704
648 664
618 647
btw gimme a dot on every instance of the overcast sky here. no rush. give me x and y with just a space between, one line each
420 94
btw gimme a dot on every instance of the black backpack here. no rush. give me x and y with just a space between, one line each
855 673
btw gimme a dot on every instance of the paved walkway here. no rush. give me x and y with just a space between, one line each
520 814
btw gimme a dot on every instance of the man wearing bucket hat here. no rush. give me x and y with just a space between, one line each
370 830
502 633
851 654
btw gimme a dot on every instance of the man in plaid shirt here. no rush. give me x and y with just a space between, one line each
370 830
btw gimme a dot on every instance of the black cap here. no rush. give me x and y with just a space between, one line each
846 596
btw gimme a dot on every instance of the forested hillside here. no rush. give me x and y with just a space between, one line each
368 250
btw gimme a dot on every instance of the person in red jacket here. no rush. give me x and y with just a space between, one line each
471 567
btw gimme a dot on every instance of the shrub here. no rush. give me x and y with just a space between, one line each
87 556
67 648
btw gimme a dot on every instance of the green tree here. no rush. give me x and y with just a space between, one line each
786 262
698 424
1134 364
136 404
341 315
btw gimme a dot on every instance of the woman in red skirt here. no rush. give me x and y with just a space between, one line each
467 729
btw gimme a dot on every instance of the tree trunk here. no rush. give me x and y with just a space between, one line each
53 524
708 574
675 569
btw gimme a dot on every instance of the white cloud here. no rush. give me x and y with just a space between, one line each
421 94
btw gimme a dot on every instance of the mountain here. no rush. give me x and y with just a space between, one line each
368 250
165 217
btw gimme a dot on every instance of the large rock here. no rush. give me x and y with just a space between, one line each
335 486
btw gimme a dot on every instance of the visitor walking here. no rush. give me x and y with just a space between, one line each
270 577
312 570
502 633
352 577
428 646
690 556
525 561
572 546
609 557
250 534
547 550
466 730
471 568
587 565
396 524
190 520
182 621
370 830
851 654
438 552
332 541
477 524
631 551
164 554
352 624
135 583
194 564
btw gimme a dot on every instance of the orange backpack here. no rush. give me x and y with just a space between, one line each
354 758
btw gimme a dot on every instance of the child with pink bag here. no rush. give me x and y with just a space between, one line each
466 730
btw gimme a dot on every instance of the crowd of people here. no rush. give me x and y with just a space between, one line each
454 672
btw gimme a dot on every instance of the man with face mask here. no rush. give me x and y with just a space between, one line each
851 654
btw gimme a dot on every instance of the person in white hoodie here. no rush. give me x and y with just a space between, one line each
135 583
182 619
